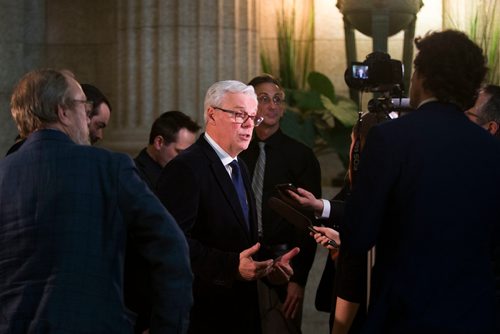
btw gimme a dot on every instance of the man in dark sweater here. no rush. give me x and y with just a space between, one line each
170 134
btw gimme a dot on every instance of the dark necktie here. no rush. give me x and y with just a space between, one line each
258 183
240 188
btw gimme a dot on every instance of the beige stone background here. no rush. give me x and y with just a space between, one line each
150 56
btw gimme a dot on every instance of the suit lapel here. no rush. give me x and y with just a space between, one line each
226 185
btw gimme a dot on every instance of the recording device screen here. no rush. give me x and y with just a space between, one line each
359 71
378 73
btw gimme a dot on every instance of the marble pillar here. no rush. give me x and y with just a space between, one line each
169 53
21 33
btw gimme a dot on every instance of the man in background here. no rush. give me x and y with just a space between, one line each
66 209
275 158
101 111
486 113
486 110
171 133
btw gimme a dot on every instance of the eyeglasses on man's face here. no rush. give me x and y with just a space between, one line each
265 99
241 117
89 105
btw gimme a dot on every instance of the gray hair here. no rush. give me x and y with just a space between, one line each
36 98
216 93
490 111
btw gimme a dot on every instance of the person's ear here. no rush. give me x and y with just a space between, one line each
493 127
158 142
63 114
210 115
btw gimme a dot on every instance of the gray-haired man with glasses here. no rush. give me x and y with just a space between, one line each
486 114
207 189
486 110
241 117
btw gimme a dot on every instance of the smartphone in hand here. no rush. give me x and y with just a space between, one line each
287 186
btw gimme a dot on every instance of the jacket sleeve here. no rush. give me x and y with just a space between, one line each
310 179
179 189
163 245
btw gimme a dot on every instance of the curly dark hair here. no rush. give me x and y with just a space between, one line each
453 66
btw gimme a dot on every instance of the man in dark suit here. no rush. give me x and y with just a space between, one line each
284 160
427 195
65 211
486 109
207 190
486 114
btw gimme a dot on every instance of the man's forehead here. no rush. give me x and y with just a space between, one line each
239 100
267 87
102 115
482 99
74 86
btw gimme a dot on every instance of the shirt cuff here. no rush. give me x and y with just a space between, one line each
326 209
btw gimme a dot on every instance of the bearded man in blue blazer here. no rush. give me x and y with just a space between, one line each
66 210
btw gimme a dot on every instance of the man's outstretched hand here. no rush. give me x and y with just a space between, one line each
281 270
249 269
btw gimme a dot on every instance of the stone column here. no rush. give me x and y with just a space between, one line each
22 26
169 53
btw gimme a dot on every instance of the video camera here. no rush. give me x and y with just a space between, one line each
378 73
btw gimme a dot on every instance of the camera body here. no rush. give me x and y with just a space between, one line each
378 73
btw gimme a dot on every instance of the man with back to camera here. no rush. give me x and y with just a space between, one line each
101 111
424 197
61 264
285 161
207 190
486 110
171 133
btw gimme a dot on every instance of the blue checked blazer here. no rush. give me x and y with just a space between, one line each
66 213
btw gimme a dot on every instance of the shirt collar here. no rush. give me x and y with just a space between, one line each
431 99
223 155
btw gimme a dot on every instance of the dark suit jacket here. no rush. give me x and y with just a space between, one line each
65 211
149 170
198 191
137 290
427 194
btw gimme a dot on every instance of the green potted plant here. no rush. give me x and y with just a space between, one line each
482 25
315 114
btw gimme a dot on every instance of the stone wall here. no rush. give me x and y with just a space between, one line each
151 56
147 56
